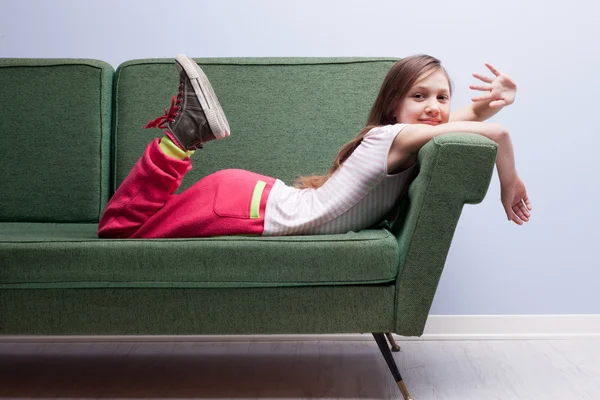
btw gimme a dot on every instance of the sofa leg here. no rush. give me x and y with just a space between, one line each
389 359
393 343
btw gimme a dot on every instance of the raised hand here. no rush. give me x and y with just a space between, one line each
515 201
500 90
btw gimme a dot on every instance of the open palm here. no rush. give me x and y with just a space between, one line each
500 90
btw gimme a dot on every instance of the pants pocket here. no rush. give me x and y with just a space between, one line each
238 194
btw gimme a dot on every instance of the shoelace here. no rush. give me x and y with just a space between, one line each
170 114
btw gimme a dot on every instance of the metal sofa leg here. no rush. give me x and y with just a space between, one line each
393 343
389 359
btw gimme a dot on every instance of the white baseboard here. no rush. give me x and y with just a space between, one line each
438 327
510 327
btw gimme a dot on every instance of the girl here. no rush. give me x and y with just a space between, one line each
369 174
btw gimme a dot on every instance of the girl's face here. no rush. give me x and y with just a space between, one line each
427 102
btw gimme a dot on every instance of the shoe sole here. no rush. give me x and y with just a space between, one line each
206 96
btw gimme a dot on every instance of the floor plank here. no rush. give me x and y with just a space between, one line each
432 370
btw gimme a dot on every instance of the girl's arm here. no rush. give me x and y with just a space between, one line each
409 141
500 92
514 196
477 112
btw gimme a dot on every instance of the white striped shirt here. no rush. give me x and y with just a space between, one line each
355 197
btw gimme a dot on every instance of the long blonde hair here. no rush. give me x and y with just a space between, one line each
396 84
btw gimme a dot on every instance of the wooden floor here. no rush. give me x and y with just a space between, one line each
481 370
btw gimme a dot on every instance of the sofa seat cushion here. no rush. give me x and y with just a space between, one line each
48 255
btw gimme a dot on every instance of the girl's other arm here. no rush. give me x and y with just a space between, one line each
409 141
514 196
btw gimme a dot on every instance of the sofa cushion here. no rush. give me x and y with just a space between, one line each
288 117
46 255
55 139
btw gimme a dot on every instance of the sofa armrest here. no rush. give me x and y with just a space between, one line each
454 169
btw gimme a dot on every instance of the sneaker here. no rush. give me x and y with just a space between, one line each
195 116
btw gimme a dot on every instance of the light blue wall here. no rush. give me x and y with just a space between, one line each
551 49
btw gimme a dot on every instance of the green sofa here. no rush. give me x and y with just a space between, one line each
72 130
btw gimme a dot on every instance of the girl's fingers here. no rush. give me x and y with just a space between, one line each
483 97
497 103
481 87
520 212
494 70
483 78
516 220
527 203
524 208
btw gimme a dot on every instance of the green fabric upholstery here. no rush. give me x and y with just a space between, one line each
56 117
455 169
288 117
70 256
175 311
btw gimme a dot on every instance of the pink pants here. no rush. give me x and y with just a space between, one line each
145 205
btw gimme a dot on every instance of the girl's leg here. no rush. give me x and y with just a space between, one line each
194 118
146 189
227 202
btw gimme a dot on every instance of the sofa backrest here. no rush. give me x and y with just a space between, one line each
54 155
288 116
